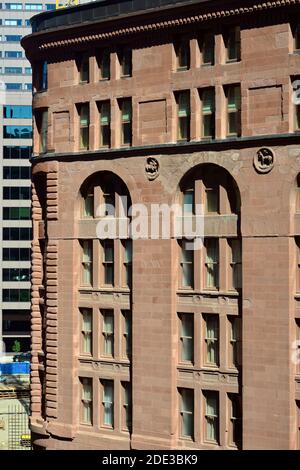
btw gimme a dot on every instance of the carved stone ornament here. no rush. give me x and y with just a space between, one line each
152 168
264 160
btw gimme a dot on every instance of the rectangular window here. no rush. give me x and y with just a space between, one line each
108 262
127 405
296 83
16 233
233 44
126 121
108 198
12 38
13 6
212 198
18 152
16 254
16 274
125 60
28 70
236 263
126 343
42 76
207 96
14 192
186 413
183 116
16 295
104 117
297 38
88 207
207 48
212 339
182 50
13 70
233 96
41 117
86 330
86 262
127 246
13 54
235 352
33 6
12 87
11 22
86 401
17 132
16 213
211 416
108 332
103 59
212 263
83 69
235 414
15 172
186 337
108 403
187 265
297 344
189 202
84 126
17 112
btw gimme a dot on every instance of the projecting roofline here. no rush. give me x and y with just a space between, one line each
105 10
110 20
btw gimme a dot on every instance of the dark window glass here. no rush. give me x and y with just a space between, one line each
17 112
17 132
17 274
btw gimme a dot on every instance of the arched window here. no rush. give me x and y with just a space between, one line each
105 261
211 191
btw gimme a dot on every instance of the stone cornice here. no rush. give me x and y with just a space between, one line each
150 27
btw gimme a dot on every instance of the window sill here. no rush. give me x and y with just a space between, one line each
232 61
208 65
122 77
186 365
187 439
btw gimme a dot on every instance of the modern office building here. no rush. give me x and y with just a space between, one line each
15 184
145 343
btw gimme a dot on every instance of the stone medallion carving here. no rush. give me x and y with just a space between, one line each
264 160
152 168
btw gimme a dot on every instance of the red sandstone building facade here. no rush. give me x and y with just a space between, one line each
143 343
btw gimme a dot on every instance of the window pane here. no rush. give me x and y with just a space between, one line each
212 199
188 201
212 262
89 204
108 332
104 65
187 413
212 419
108 402
187 337
84 69
86 401
183 55
86 331
187 263
212 339
207 49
